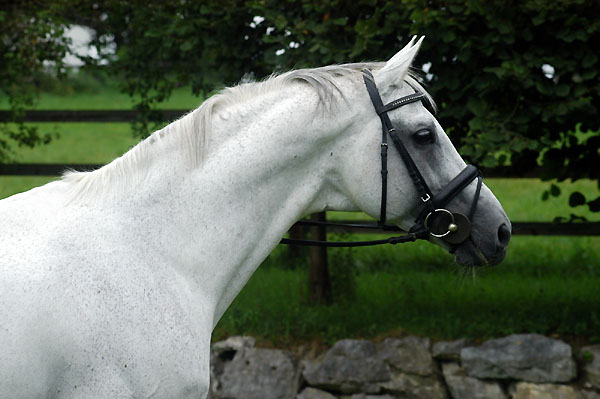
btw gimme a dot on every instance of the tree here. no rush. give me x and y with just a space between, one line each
32 42
517 82
163 44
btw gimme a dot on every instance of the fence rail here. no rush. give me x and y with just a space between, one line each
42 169
99 116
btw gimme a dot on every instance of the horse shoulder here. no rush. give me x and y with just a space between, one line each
74 288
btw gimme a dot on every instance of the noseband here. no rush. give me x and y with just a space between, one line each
434 219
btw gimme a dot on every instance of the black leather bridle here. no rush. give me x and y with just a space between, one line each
434 219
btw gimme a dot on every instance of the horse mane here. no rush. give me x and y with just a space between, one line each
191 132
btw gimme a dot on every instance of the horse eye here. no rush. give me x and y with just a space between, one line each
423 137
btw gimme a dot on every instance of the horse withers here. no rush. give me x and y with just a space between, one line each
111 281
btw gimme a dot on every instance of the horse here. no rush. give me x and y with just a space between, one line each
112 280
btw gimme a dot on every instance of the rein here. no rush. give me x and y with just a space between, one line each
434 220
409 237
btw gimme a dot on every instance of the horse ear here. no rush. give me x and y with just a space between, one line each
396 67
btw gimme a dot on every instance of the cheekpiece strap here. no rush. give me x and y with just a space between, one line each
382 110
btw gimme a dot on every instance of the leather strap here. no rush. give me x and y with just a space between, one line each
455 186
403 101
313 243
382 110
413 236
384 175
476 199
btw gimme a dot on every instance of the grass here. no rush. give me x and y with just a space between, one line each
549 285
76 143
82 142
408 301
93 91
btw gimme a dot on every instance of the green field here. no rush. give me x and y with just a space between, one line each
549 285
95 91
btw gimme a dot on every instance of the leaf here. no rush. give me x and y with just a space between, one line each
588 74
450 36
186 46
489 161
562 89
594 205
576 218
504 28
315 47
589 59
476 106
498 71
538 19
517 144
476 124
576 199
280 22
544 88
545 195
579 90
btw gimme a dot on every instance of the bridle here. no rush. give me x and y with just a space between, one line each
434 219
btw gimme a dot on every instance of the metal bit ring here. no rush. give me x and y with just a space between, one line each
452 223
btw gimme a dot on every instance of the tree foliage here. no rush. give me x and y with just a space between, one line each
165 44
517 82
31 42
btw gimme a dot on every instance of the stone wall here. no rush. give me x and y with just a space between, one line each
525 366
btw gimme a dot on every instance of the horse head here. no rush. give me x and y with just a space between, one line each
430 190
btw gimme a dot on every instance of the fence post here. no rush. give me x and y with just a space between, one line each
295 251
319 289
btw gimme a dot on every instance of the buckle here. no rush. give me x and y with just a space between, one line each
425 198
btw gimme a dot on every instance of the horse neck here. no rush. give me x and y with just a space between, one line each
267 166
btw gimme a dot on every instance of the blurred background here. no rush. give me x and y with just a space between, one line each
517 86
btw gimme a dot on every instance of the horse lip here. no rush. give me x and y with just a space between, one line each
469 254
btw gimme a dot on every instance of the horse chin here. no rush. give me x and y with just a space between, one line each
468 254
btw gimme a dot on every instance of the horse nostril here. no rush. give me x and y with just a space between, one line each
503 235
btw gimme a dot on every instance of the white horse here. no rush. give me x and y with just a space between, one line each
111 281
